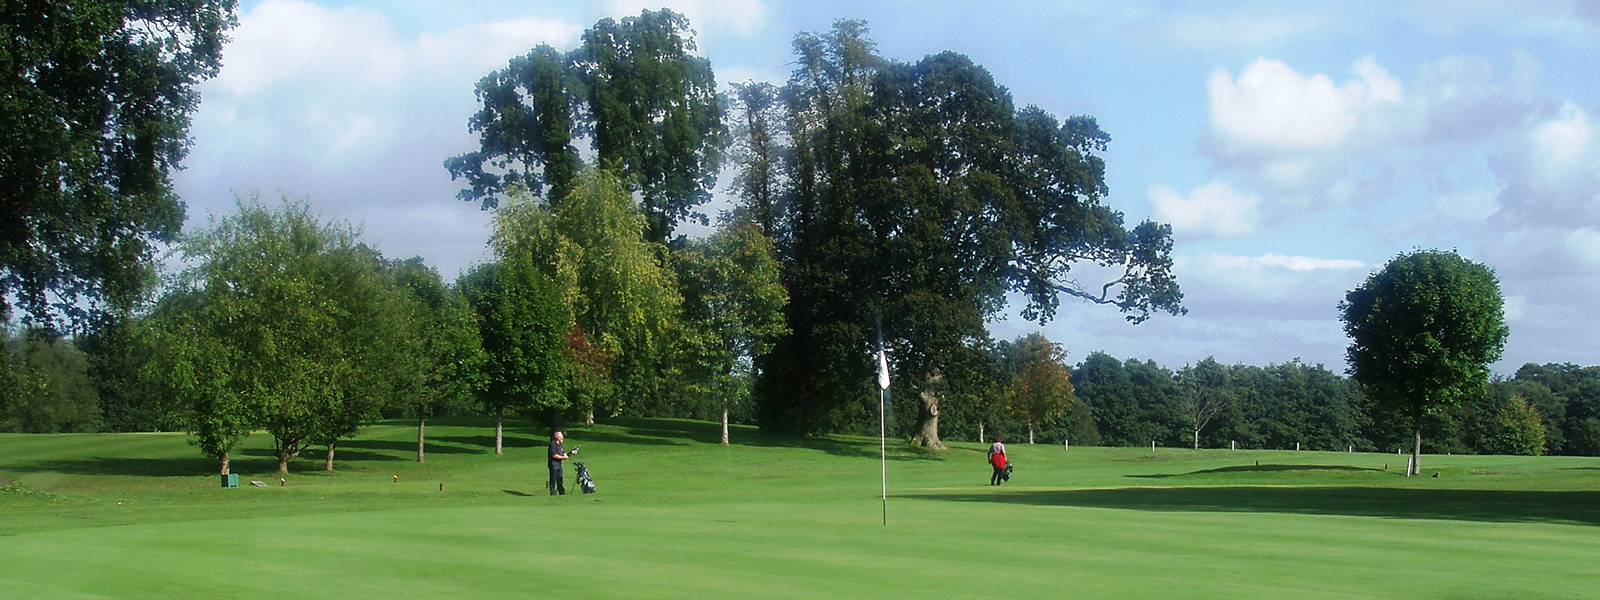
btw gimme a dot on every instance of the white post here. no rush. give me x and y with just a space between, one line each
883 454
1152 445
1066 444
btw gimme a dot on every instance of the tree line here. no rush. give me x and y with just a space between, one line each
871 195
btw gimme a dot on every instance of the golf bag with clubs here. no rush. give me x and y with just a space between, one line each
585 482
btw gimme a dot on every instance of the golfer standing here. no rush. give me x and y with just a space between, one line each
997 459
558 454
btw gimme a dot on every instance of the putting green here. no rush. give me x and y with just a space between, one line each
679 516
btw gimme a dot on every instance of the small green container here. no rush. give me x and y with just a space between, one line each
230 480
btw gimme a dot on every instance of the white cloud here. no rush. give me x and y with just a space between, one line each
1584 244
1215 209
1272 107
743 17
1565 142
337 105
1267 287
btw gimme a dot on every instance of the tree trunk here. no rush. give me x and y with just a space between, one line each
1416 455
422 425
499 419
981 439
1030 432
283 463
1197 438
225 462
329 465
588 418
928 412
724 425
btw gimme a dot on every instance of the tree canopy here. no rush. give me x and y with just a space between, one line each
1423 331
918 194
634 89
95 102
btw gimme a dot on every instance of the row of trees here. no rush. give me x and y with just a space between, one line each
873 195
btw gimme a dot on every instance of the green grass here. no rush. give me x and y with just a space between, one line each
679 516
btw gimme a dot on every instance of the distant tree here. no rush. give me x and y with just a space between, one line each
733 310
1516 428
54 392
1205 391
636 87
1423 331
118 349
592 246
192 365
523 324
95 102
289 316
1573 404
1104 386
758 146
450 359
1043 387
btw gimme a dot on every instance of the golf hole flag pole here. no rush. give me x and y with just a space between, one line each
883 427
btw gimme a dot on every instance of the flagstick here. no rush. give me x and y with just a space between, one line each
883 454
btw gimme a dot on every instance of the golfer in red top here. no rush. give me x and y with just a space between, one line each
997 459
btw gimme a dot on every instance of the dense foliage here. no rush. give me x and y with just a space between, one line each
1423 332
95 100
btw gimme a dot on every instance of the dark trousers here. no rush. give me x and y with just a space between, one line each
557 484
998 476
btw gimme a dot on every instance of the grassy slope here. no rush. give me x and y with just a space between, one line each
679 516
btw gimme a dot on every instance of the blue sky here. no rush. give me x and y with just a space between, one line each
1294 147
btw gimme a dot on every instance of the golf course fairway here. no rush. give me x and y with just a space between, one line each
678 515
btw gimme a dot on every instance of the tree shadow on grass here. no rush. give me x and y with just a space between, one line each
681 432
519 494
105 465
408 448
1497 506
1261 469
482 443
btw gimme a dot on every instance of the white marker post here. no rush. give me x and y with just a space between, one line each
883 430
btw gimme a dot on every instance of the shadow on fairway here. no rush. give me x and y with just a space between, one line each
482 443
149 467
1260 469
1500 506
519 494
408 448
678 432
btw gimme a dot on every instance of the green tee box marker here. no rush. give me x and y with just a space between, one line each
230 480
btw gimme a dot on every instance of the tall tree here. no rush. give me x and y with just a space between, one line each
647 104
733 303
592 246
918 193
1423 331
192 364
523 322
95 102
450 359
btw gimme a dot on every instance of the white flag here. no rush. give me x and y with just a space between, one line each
883 370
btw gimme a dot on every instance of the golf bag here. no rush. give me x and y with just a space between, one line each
1005 474
585 482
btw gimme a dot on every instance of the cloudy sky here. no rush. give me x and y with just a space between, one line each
1294 148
